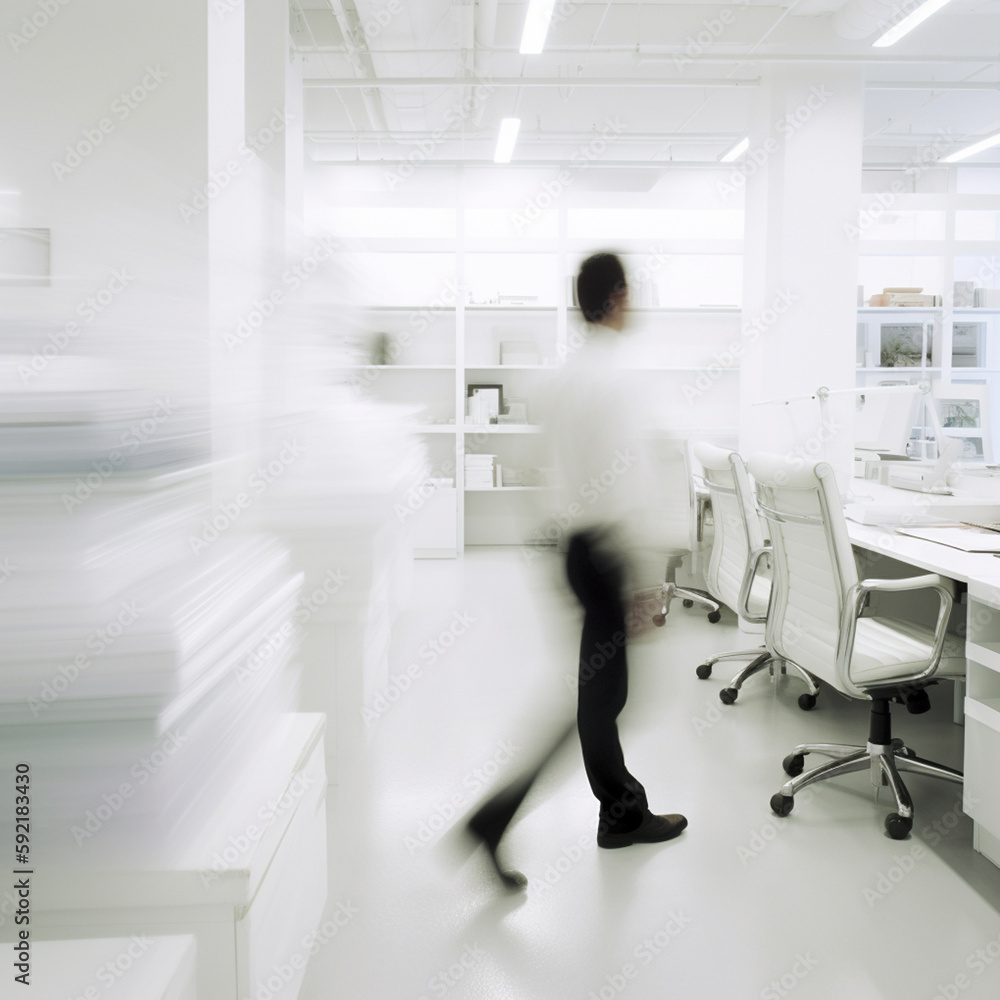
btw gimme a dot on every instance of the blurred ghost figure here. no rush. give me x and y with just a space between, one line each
595 432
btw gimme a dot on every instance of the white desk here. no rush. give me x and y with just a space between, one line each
980 572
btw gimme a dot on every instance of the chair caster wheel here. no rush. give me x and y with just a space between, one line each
898 827
714 616
728 695
793 764
807 701
704 670
781 805
659 620
687 603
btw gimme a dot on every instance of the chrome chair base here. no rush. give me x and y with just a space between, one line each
761 659
884 763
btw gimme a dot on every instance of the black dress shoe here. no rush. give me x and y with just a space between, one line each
488 834
652 830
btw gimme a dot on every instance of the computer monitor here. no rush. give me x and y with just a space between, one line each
884 418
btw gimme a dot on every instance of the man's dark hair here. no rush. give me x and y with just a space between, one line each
601 275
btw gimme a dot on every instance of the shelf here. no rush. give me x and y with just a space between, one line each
685 310
511 368
470 308
436 308
915 369
502 429
676 368
976 310
902 309
402 368
507 489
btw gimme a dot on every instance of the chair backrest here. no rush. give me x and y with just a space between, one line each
812 558
737 526
671 494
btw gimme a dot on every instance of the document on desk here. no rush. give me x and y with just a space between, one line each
958 536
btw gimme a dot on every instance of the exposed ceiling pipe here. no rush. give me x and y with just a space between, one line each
669 52
538 81
360 59
625 82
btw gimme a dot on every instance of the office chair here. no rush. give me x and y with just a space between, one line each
675 529
815 619
733 578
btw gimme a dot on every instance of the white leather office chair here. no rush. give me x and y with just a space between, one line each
674 529
815 620
735 575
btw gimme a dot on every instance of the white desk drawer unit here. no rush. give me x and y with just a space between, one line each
250 888
982 716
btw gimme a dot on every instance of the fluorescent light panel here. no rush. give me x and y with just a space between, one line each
737 151
536 26
904 27
976 147
505 140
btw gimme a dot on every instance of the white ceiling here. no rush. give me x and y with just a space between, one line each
939 87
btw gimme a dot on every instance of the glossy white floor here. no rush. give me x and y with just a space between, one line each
744 905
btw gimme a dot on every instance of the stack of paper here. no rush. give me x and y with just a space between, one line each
479 472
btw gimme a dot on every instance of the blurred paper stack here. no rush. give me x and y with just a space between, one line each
149 683
343 510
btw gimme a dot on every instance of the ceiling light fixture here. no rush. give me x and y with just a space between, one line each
736 151
976 147
505 140
536 26
904 27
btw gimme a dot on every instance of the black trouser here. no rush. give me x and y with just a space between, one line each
596 578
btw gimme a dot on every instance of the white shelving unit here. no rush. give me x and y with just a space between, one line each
440 303
933 237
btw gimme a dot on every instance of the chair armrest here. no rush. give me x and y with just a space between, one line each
854 605
746 586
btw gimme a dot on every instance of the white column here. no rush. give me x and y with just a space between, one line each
802 175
